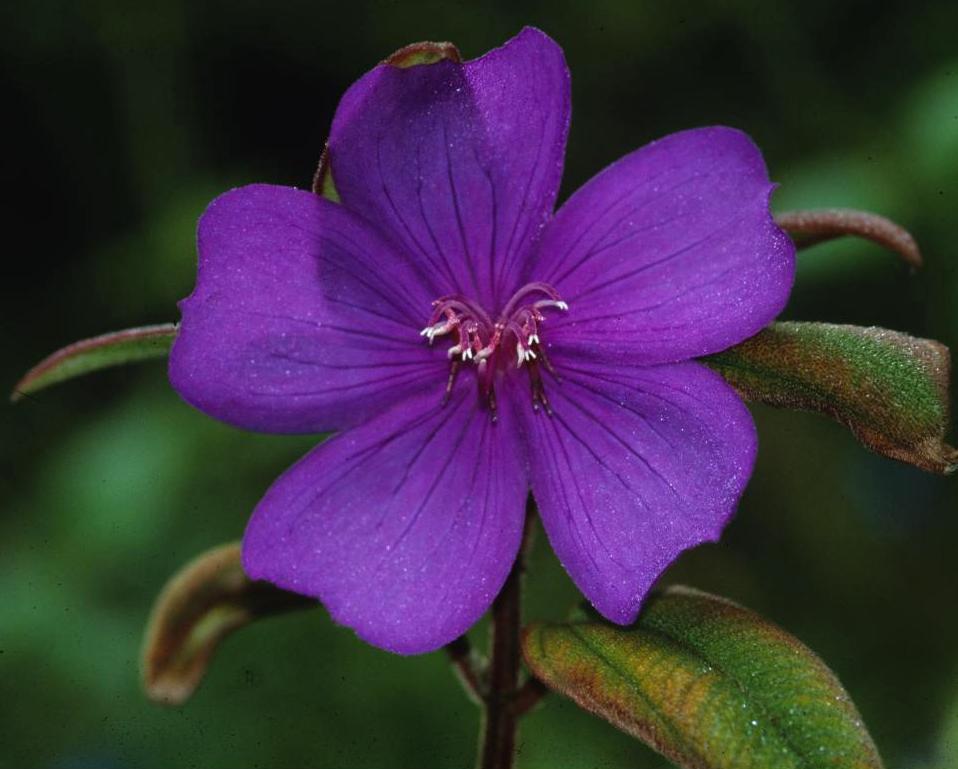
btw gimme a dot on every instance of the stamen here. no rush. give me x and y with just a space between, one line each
538 389
559 305
530 288
524 354
453 372
544 359
479 339
438 329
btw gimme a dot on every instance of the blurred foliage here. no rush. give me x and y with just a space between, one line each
124 119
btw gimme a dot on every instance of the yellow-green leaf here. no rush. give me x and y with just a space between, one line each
708 684
888 388
201 605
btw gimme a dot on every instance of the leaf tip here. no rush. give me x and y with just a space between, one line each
26 384
164 691
96 353
201 605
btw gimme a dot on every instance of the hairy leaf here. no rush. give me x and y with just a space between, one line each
202 604
889 389
708 684
817 226
89 355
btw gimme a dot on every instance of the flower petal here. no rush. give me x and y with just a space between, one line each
303 319
405 527
634 466
669 253
460 163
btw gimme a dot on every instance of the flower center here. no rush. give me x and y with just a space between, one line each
486 343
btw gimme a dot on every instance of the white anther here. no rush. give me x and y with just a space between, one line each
557 303
431 332
467 354
533 339
523 354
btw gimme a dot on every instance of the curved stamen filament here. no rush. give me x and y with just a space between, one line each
459 305
478 339
554 299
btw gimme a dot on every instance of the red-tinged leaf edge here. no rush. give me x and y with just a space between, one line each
88 355
707 683
425 52
202 604
890 389
808 228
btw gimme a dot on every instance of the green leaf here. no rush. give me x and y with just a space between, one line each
708 684
206 601
89 355
889 389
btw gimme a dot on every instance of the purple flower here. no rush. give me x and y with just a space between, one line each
468 345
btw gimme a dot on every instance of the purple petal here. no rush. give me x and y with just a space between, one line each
670 253
303 319
634 466
460 163
405 528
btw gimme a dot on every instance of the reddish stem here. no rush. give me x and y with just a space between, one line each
499 716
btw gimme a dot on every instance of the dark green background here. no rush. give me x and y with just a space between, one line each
127 118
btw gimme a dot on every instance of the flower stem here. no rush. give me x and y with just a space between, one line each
499 717
504 701
528 696
468 668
